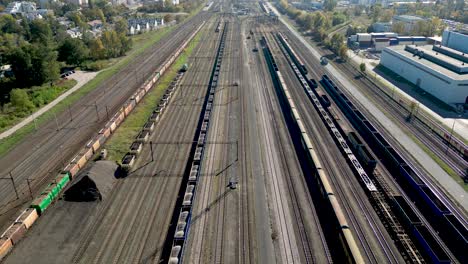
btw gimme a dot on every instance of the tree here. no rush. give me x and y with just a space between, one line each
21 65
121 26
338 18
73 51
336 41
40 31
8 24
362 67
398 27
126 44
97 49
69 7
329 5
376 11
168 18
45 65
20 100
342 52
460 5
358 10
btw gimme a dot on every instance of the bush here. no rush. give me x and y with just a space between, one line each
20 100
94 66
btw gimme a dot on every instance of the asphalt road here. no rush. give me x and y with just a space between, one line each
40 155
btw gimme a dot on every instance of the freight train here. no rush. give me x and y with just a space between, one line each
346 238
174 249
451 229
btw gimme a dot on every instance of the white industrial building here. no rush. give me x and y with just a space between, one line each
456 40
439 70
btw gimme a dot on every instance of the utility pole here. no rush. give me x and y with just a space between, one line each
29 187
56 121
151 147
14 186
69 111
450 138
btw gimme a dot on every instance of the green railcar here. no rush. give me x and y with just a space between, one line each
51 192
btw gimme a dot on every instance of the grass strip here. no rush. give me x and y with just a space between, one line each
39 96
147 40
441 163
119 143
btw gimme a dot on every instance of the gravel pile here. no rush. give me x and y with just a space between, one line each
92 184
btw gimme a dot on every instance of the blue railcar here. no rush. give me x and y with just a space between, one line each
456 236
429 245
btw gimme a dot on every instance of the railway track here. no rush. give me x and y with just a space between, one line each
306 248
52 148
157 182
420 130
386 251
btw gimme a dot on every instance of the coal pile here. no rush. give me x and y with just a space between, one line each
92 184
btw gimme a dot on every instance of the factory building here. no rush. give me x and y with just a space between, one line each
440 71
456 40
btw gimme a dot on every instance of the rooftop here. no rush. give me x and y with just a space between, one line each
427 49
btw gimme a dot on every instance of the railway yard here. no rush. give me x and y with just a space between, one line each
254 154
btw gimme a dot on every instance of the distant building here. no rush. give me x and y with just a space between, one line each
382 27
439 70
20 8
455 40
74 32
78 2
408 21
140 25
26 9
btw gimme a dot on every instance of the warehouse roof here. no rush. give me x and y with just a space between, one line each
433 66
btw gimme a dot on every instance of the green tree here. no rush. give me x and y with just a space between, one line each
329 5
20 100
45 65
398 28
126 44
121 26
8 25
362 67
21 65
69 7
338 18
40 31
168 18
376 11
358 9
342 52
97 49
73 51
336 41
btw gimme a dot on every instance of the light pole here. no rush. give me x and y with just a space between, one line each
450 137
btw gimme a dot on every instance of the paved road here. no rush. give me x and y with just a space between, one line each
131 224
452 188
81 77
40 155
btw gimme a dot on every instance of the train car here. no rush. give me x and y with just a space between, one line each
175 255
431 248
456 236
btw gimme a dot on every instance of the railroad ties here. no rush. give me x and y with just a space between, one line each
351 248
173 251
381 200
18 229
441 220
